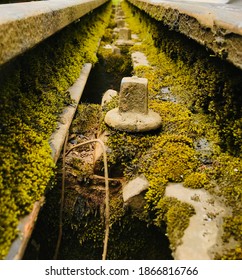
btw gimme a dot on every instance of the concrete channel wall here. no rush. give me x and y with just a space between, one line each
212 23
24 25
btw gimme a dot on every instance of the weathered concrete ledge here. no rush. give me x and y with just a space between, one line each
202 238
24 25
216 26
26 224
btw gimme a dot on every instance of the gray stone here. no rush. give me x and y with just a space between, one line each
116 50
108 96
133 114
139 59
134 95
124 34
120 23
135 188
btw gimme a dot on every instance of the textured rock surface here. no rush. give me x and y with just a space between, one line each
202 237
108 96
214 25
124 33
138 59
133 192
133 114
24 25
134 95
133 122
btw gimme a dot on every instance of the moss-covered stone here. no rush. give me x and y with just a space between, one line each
176 215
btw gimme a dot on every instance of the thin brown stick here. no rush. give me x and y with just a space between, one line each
94 176
62 199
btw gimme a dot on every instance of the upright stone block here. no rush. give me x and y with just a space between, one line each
132 114
116 50
134 95
120 23
120 13
125 34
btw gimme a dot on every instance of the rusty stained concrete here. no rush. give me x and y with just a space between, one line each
217 26
23 25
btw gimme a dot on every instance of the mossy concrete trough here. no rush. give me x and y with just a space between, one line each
217 26
57 139
24 25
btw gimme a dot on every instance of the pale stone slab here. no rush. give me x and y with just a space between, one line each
205 227
139 59
108 96
135 187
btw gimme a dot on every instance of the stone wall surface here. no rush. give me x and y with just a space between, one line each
24 25
215 25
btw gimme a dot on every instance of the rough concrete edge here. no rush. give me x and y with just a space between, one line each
24 25
58 137
26 224
202 238
200 23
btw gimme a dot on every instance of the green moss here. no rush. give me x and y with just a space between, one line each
87 119
176 215
227 173
171 157
196 180
34 91
125 147
234 254
233 228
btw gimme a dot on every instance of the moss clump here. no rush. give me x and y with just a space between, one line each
176 215
87 119
127 148
33 92
196 180
233 228
171 157
226 172
234 254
